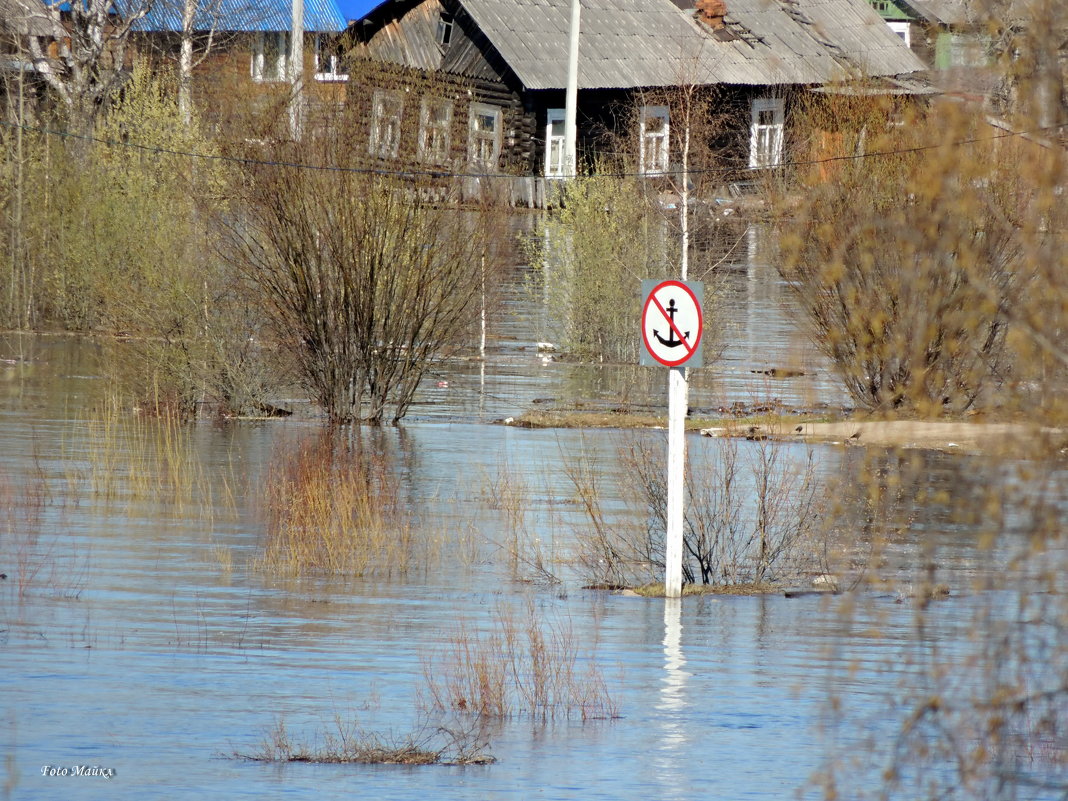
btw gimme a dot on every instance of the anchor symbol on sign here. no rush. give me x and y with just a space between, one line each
671 342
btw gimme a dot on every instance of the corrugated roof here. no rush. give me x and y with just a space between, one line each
630 43
320 16
946 12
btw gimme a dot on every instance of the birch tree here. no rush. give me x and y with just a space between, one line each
202 27
90 39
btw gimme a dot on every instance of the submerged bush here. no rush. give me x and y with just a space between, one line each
753 516
908 263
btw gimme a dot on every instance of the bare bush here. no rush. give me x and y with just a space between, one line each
366 280
752 516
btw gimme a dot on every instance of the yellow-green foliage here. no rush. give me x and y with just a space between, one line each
906 253
589 258
125 233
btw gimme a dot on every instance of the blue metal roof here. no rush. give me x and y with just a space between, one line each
320 16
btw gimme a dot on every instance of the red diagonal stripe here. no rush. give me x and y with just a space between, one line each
675 328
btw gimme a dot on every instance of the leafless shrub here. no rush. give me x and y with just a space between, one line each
368 277
36 555
24 550
752 516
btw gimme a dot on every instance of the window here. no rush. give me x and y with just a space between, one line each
435 123
270 56
766 134
654 138
484 143
328 62
386 111
555 145
902 29
444 30
961 50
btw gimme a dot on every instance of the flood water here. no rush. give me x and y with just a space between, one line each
138 634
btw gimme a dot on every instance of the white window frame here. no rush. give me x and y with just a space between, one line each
766 138
435 130
654 149
478 137
555 163
446 24
270 57
903 30
387 112
329 66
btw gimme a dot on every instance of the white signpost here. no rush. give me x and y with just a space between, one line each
672 325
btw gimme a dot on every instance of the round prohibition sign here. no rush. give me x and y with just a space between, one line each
671 323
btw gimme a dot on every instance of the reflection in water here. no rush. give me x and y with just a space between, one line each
673 723
672 696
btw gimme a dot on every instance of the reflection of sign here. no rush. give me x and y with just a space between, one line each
672 323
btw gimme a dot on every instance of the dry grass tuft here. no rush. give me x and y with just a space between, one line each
520 666
353 745
333 509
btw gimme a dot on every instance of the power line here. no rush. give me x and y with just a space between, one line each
428 173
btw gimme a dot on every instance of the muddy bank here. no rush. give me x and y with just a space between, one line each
1018 439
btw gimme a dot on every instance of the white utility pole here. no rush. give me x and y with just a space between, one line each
676 483
296 70
571 96
678 402
672 324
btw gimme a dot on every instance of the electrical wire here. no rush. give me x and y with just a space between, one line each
442 174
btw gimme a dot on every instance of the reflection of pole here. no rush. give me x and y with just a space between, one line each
672 753
676 478
672 697
571 96
673 659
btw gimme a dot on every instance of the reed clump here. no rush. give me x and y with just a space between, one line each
333 508
134 457
24 552
523 665
528 542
